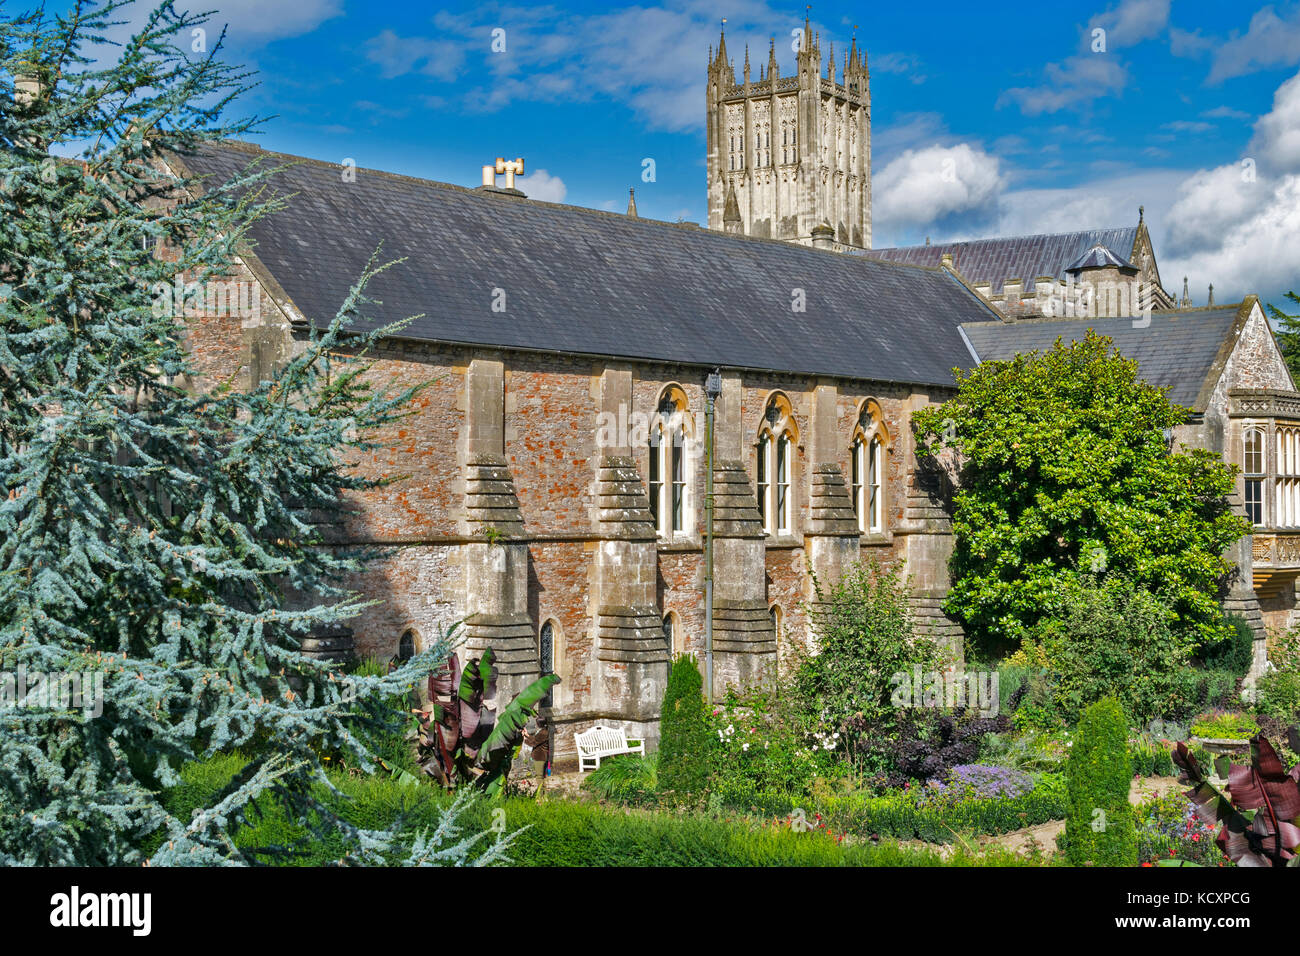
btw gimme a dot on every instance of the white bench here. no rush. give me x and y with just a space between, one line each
601 742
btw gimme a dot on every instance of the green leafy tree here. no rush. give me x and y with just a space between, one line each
149 535
1065 467
685 746
1286 330
1099 829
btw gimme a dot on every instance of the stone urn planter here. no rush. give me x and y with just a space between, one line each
1223 745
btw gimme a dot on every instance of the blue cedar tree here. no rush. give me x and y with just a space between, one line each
150 534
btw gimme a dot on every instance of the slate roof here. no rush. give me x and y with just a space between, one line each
587 282
1183 350
1017 257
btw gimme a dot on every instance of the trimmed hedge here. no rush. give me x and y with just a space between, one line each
1099 828
684 740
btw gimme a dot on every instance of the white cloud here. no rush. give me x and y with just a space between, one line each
1077 81
1132 22
542 186
1270 41
1277 134
1239 225
1095 71
258 20
441 59
1256 254
923 186
651 59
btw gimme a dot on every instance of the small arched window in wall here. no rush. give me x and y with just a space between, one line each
546 656
774 465
406 645
670 635
667 484
867 469
1253 474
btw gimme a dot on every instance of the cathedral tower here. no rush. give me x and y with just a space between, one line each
789 154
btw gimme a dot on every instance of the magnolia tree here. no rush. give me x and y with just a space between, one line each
149 535
1066 470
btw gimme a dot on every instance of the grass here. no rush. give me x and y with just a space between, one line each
562 833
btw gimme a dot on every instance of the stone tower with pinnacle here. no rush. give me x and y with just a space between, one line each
790 155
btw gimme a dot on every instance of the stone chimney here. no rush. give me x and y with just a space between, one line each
823 237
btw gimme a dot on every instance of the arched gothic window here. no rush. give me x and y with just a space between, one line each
546 656
867 469
774 466
668 475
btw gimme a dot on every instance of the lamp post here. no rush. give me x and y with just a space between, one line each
712 389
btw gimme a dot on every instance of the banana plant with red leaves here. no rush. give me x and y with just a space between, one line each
463 738
1258 812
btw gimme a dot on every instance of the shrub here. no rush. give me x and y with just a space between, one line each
685 745
1099 828
864 632
760 746
929 743
628 778
1031 751
1196 690
1112 640
1235 652
1277 694
1151 758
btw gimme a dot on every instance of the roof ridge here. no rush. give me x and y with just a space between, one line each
1027 235
254 149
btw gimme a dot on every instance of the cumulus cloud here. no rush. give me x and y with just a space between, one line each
254 19
1269 41
1238 225
1095 72
1132 22
925 186
1077 81
1277 134
650 59
542 186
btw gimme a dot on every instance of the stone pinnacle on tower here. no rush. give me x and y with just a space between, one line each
772 68
631 203
1186 302
746 63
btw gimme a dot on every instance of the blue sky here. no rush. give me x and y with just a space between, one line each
1191 108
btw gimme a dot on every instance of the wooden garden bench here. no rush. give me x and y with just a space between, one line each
599 742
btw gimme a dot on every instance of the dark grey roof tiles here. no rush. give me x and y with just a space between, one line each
1015 257
1177 350
580 281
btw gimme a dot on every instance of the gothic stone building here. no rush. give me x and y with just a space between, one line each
790 157
548 488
